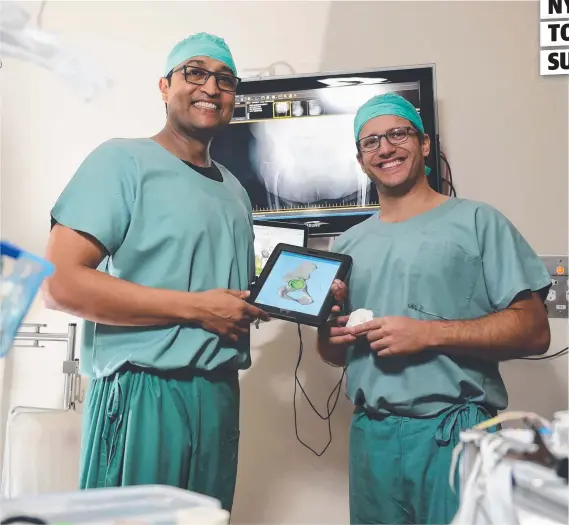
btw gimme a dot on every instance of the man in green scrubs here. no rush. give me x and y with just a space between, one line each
153 246
454 289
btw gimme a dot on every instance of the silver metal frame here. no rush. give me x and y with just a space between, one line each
72 394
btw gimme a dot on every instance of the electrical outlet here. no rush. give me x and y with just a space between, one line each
558 298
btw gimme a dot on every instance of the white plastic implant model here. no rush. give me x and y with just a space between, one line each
359 316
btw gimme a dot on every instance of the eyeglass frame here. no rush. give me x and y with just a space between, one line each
209 73
408 129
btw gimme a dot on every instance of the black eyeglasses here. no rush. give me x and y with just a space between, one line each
198 76
394 136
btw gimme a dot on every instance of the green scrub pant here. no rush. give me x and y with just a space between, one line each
399 466
177 428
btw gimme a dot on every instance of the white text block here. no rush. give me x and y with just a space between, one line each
554 62
554 33
553 9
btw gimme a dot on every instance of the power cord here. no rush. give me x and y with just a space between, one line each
448 179
23 519
551 356
336 390
330 411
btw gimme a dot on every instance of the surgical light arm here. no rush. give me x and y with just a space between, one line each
20 40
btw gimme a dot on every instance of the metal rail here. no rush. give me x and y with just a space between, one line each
72 394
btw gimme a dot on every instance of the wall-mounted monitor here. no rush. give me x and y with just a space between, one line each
291 143
270 233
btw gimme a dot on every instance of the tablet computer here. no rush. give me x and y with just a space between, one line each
270 233
295 283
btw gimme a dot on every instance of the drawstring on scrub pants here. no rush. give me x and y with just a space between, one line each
445 430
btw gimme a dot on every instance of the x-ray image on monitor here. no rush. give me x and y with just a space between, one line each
291 142
282 109
303 163
314 108
298 108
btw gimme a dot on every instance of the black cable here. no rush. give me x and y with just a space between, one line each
449 180
336 389
450 177
23 519
551 356
329 410
445 181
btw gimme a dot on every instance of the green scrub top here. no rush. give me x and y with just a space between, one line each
461 260
164 226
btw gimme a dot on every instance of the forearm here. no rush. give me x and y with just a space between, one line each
98 297
500 336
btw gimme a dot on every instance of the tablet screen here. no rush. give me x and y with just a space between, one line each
298 283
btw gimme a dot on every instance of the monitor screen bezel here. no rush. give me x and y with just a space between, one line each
424 74
284 226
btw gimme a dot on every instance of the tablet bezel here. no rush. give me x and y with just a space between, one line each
292 315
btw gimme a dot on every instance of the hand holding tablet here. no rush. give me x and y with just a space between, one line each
295 284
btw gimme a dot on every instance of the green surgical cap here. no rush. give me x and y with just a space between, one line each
388 104
200 45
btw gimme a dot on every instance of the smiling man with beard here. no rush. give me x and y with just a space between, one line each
454 289
152 243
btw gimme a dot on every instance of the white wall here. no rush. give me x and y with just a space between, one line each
503 127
